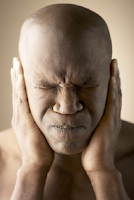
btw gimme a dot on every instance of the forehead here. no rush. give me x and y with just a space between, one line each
50 49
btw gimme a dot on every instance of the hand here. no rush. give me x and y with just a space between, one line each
99 155
33 145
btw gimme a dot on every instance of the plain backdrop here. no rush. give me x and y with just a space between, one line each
119 15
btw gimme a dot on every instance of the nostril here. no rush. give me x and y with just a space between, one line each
79 106
67 108
56 107
82 103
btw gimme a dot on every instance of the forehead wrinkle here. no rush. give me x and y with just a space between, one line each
50 76
65 74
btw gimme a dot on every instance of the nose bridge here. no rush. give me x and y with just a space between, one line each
67 101
67 96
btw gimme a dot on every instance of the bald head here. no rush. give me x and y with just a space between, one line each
67 23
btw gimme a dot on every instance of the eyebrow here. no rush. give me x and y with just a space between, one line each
90 80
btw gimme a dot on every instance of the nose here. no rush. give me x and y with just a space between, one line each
67 102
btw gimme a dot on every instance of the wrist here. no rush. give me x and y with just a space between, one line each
105 178
30 183
112 169
108 184
110 172
36 164
32 169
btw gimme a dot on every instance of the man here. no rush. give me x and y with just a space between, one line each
66 113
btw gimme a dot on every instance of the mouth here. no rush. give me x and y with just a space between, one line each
66 127
67 133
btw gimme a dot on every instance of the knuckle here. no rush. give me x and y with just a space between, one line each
19 101
114 101
120 92
117 72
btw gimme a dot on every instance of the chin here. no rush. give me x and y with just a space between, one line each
68 148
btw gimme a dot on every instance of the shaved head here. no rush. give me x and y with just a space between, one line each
70 22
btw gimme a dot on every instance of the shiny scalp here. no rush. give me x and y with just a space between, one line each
71 19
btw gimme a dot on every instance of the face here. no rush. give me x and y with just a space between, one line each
67 83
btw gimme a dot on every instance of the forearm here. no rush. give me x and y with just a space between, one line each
29 184
108 185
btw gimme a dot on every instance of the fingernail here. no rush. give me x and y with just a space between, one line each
15 62
116 62
15 59
115 66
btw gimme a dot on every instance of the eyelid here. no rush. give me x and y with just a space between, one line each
93 84
89 86
90 82
43 86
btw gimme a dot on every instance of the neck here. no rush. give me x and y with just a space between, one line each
70 163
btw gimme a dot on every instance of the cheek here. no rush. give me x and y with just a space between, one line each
94 100
39 102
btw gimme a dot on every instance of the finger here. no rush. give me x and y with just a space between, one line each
15 61
14 92
114 100
12 73
22 96
116 72
15 79
111 104
18 67
12 81
15 116
119 92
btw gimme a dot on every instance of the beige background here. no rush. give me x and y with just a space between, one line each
119 14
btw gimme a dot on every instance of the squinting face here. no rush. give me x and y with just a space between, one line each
67 83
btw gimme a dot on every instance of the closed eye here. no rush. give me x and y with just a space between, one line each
91 82
44 86
86 85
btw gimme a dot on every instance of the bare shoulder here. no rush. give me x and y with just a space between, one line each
10 161
8 144
126 140
9 149
124 156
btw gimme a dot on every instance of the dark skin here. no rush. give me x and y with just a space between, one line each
63 95
50 89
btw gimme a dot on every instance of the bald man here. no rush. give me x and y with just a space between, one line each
67 139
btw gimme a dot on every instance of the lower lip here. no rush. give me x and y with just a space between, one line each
68 132
71 128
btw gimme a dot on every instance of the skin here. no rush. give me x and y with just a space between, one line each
49 153
67 101
61 105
